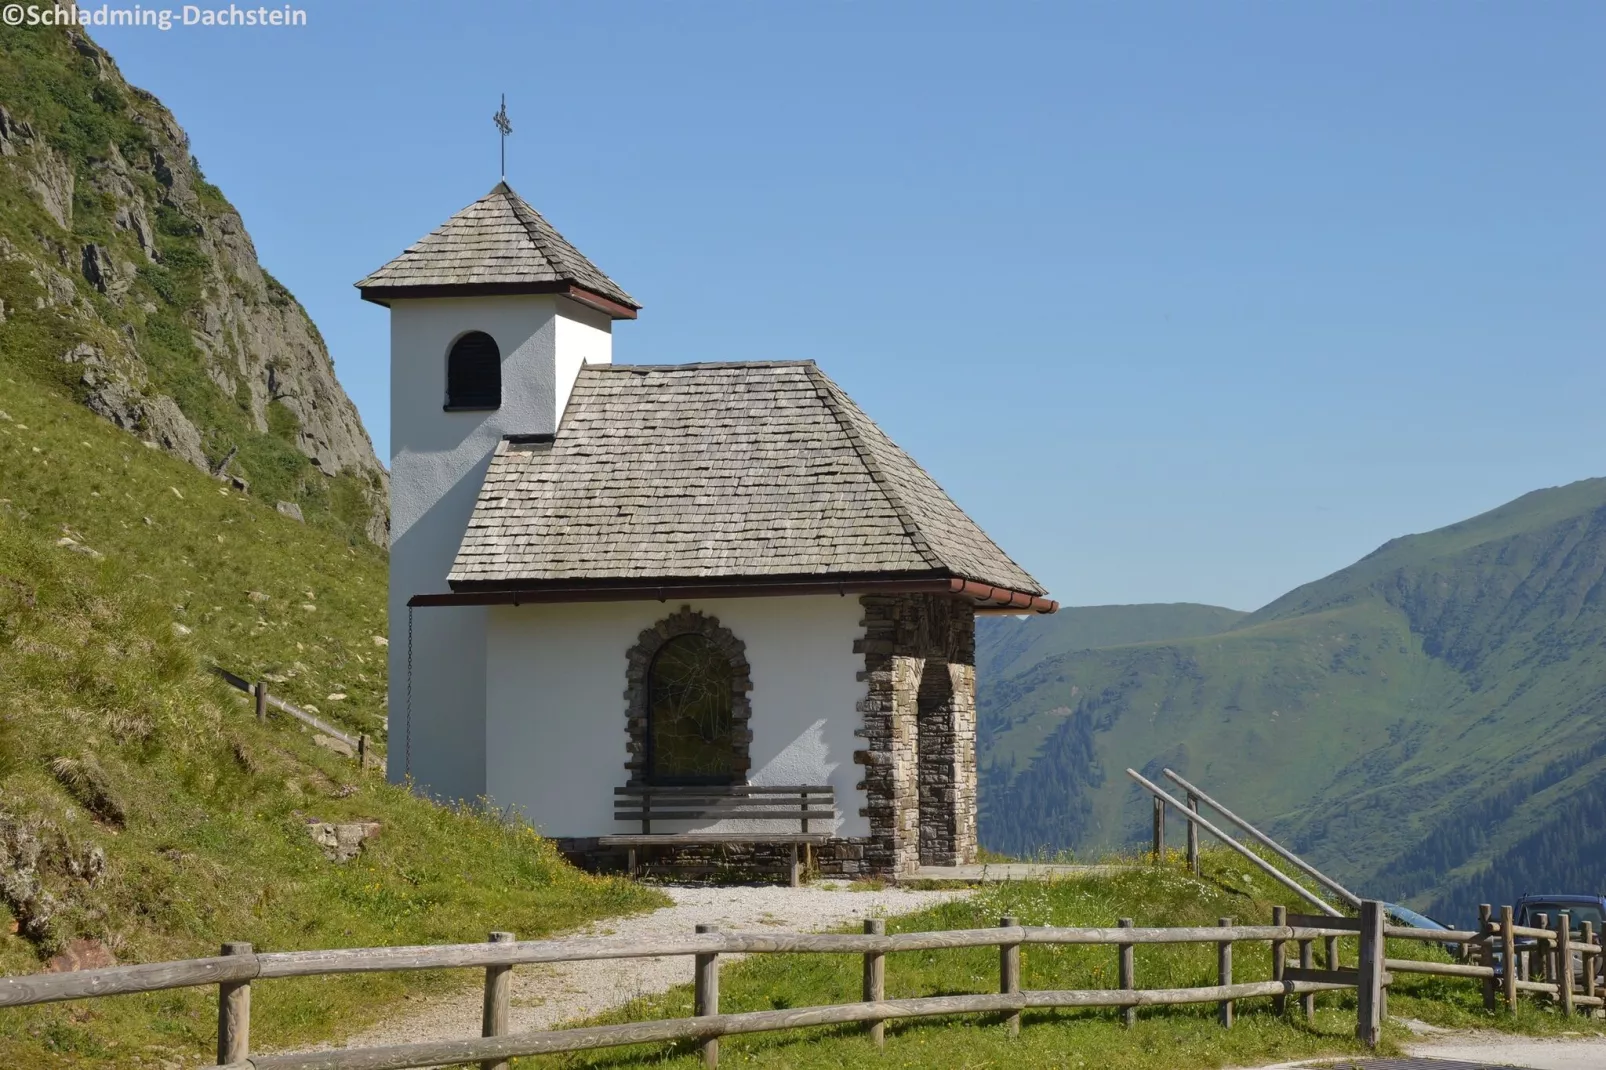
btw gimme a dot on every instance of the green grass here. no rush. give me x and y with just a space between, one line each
113 739
1163 1039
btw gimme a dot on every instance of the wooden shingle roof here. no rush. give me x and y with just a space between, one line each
702 472
497 245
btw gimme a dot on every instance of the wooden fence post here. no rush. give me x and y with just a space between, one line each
234 1013
1508 958
1009 973
362 751
262 701
875 979
498 990
1307 961
1564 962
705 997
1159 830
1485 955
1591 962
1126 968
1369 991
1224 969
1279 918
1539 957
1193 835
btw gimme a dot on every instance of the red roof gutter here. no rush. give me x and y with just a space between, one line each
988 598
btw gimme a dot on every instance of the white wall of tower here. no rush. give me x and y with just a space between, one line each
437 463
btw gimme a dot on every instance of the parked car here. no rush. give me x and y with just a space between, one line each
1578 908
1406 916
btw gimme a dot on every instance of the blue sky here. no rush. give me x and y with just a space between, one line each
1188 302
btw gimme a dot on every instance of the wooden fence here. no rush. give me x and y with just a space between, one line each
1547 971
359 744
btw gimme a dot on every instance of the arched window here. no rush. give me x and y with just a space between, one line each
474 373
689 730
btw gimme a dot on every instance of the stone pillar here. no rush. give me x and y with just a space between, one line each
934 745
964 720
919 729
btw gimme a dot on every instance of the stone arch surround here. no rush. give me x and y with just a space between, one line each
638 662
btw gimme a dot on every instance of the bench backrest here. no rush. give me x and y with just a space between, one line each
701 802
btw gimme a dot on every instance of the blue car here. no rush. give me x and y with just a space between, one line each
1399 915
1579 908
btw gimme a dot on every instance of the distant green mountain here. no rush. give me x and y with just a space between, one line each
1429 723
1005 644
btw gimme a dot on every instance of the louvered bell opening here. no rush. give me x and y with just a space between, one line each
474 373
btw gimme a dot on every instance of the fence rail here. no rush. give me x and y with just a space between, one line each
359 744
1550 954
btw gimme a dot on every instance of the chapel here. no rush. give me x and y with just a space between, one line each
665 611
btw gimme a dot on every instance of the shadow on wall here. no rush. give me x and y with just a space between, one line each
805 760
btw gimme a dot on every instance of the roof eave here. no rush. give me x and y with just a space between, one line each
381 294
987 597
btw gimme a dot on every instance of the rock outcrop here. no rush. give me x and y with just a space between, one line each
127 276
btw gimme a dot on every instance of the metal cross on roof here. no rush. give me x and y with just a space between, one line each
502 124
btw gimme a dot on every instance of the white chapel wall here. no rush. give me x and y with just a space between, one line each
438 460
555 734
584 336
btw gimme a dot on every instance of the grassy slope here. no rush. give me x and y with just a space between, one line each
1164 1039
213 843
1405 693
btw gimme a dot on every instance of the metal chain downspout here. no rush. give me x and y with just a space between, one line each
408 766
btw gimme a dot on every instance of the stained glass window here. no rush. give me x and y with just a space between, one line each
689 713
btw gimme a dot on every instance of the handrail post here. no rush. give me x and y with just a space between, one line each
875 979
1591 961
1129 1014
1227 841
1307 961
1224 969
261 694
234 1013
1009 973
1159 831
498 993
1564 962
1486 953
705 998
1369 967
1508 958
1193 835
1279 918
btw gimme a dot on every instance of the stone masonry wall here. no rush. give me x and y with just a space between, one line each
919 757
841 857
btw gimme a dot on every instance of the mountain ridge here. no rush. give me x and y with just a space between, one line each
131 281
1356 716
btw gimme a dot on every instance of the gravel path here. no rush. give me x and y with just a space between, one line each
1483 1049
1503 1049
547 995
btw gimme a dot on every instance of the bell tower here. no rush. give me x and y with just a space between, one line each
492 315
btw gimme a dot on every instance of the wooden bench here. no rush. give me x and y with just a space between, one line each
647 803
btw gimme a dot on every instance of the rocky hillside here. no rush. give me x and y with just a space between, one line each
129 279
1428 724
